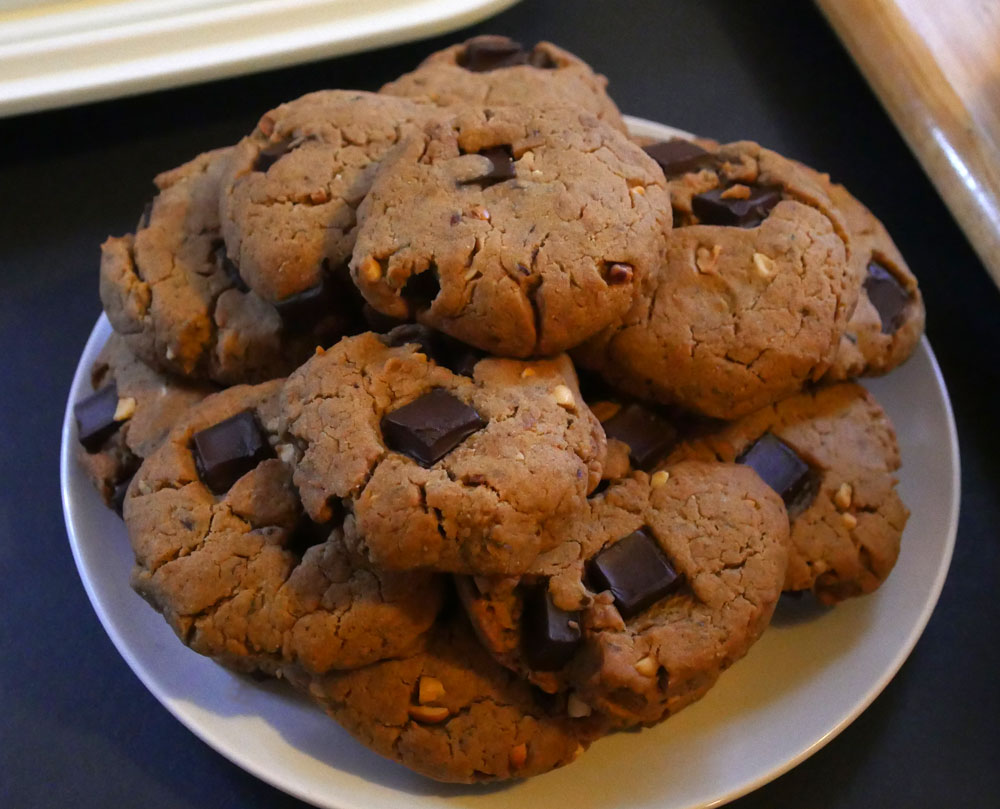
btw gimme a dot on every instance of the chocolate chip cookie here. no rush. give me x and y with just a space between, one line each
753 296
664 584
289 198
127 417
497 71
441 470
832 455
521 231
450 712
224 552
180 303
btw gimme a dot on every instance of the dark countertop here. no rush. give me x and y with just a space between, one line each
80 730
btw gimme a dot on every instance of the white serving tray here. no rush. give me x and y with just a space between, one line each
54 54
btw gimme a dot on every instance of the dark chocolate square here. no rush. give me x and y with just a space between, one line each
430 427
501 167
95 417
778 465
636 571
549 636
712 208
888 297
226 451
648 435
483 55
678 156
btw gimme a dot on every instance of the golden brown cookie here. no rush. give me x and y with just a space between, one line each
832 454
225 554
290 194
497 71
521 231
662 585
180 304
753 296
441 470
127 417
452 713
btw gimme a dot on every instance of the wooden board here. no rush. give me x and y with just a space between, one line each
935 64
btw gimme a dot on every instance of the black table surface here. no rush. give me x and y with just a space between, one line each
79 729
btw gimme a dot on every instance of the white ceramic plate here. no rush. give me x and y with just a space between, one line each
59 52
810 675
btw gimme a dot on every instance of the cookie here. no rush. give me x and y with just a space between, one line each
127 417
224 553
832 454
180 304
441 470
496 71
664 584
889 317
521 231
450 712
753 296
289 198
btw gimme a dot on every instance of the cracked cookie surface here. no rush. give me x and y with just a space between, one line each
450 712
242 577
846 530
290 194
738 315
181 306
520 231
149 403
496 71
723 532
490 502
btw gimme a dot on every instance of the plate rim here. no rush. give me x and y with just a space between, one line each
68 466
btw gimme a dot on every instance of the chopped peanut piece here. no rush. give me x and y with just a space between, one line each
518 755
842 499
647 666
430 689
428 714
659 478
124 409
370 270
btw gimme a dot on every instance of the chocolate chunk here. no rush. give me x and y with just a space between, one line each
483 54
226 451
421 289
430 427
712 208
678 156
444 350
271 154
95 417
501 167
648 435
228 266
779 466
636 571
549 636
887 296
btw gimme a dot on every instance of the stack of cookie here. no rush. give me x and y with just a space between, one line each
491 428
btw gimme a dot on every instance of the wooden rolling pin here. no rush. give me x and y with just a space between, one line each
935 64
